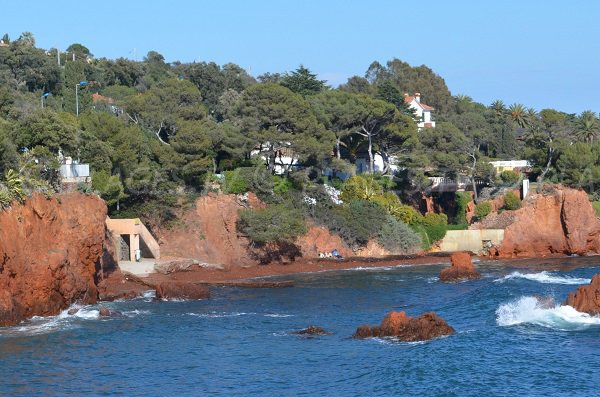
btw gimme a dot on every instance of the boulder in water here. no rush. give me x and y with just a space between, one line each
103 312
587 297
73 311
181 290
462 268
312 330
408 329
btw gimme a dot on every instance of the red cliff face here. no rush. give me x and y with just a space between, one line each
561 222
462 268
587 297
408 329
49 250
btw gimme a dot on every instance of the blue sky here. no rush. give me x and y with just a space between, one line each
543 54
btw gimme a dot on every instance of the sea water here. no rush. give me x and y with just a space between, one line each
239 343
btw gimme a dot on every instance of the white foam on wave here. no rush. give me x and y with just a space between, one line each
275 315
219 314
544 277
529 310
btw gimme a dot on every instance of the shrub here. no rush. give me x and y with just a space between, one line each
398 238
406 214
244 179
462 199
387 200
596 205
360 188
276 223
509 177
511 201
422 233
281 185
462 226
483 209
435 226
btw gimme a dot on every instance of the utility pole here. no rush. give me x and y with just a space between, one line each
58 56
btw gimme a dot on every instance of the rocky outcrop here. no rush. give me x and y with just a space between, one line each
587 297
320 239
462 268
181 290
408 329
50 251
560 221
312 330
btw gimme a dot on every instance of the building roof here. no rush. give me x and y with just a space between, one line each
424 106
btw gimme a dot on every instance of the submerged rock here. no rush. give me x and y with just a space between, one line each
181 290
408 329
73 311
312 330
587 297
103 312
462 268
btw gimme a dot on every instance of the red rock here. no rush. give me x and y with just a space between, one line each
181 290
408 329
561 221
49 250
587 297
462 268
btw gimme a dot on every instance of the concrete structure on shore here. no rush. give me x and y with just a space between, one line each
476 241
136 249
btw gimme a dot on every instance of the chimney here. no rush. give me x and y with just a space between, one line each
418 97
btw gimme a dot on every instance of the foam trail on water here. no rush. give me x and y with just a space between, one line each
529 310
545 277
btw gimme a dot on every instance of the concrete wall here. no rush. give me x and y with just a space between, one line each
470 240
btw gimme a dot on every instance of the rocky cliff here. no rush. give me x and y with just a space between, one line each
587 297
560 221
49 253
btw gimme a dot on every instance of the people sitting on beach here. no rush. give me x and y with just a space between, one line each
336 254
321 255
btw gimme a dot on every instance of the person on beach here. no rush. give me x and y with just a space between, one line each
336 254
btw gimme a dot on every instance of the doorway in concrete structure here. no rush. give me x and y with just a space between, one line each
137 250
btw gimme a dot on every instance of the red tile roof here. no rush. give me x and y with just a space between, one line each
409 99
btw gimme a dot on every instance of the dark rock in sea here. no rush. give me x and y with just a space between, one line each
103 312
72 311
407 329
462 268
312 330
587 297
181 290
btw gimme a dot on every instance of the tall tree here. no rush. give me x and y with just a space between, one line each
587 127
302 81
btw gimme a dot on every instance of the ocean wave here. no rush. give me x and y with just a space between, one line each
278 315
63 321
530 310
544 277
219 314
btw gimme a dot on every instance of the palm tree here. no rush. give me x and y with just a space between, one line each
498 107
518 114
586 126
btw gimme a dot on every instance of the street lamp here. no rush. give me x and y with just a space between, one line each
44 95
80 84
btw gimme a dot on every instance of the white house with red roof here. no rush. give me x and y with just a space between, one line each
422 110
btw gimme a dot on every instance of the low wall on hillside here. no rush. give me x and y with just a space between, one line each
471 240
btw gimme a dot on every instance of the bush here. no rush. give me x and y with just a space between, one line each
360 188
281 185
406 214
462 226
483 209
511 201
462 199
509 177
435 226
249 179
276 223
422 233
398 238
596 205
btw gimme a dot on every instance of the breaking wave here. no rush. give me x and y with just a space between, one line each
530 310
545 277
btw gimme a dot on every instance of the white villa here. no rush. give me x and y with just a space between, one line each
422 110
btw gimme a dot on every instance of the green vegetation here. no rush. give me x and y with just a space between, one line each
483 209
596 205
158 133
276 223
511 201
